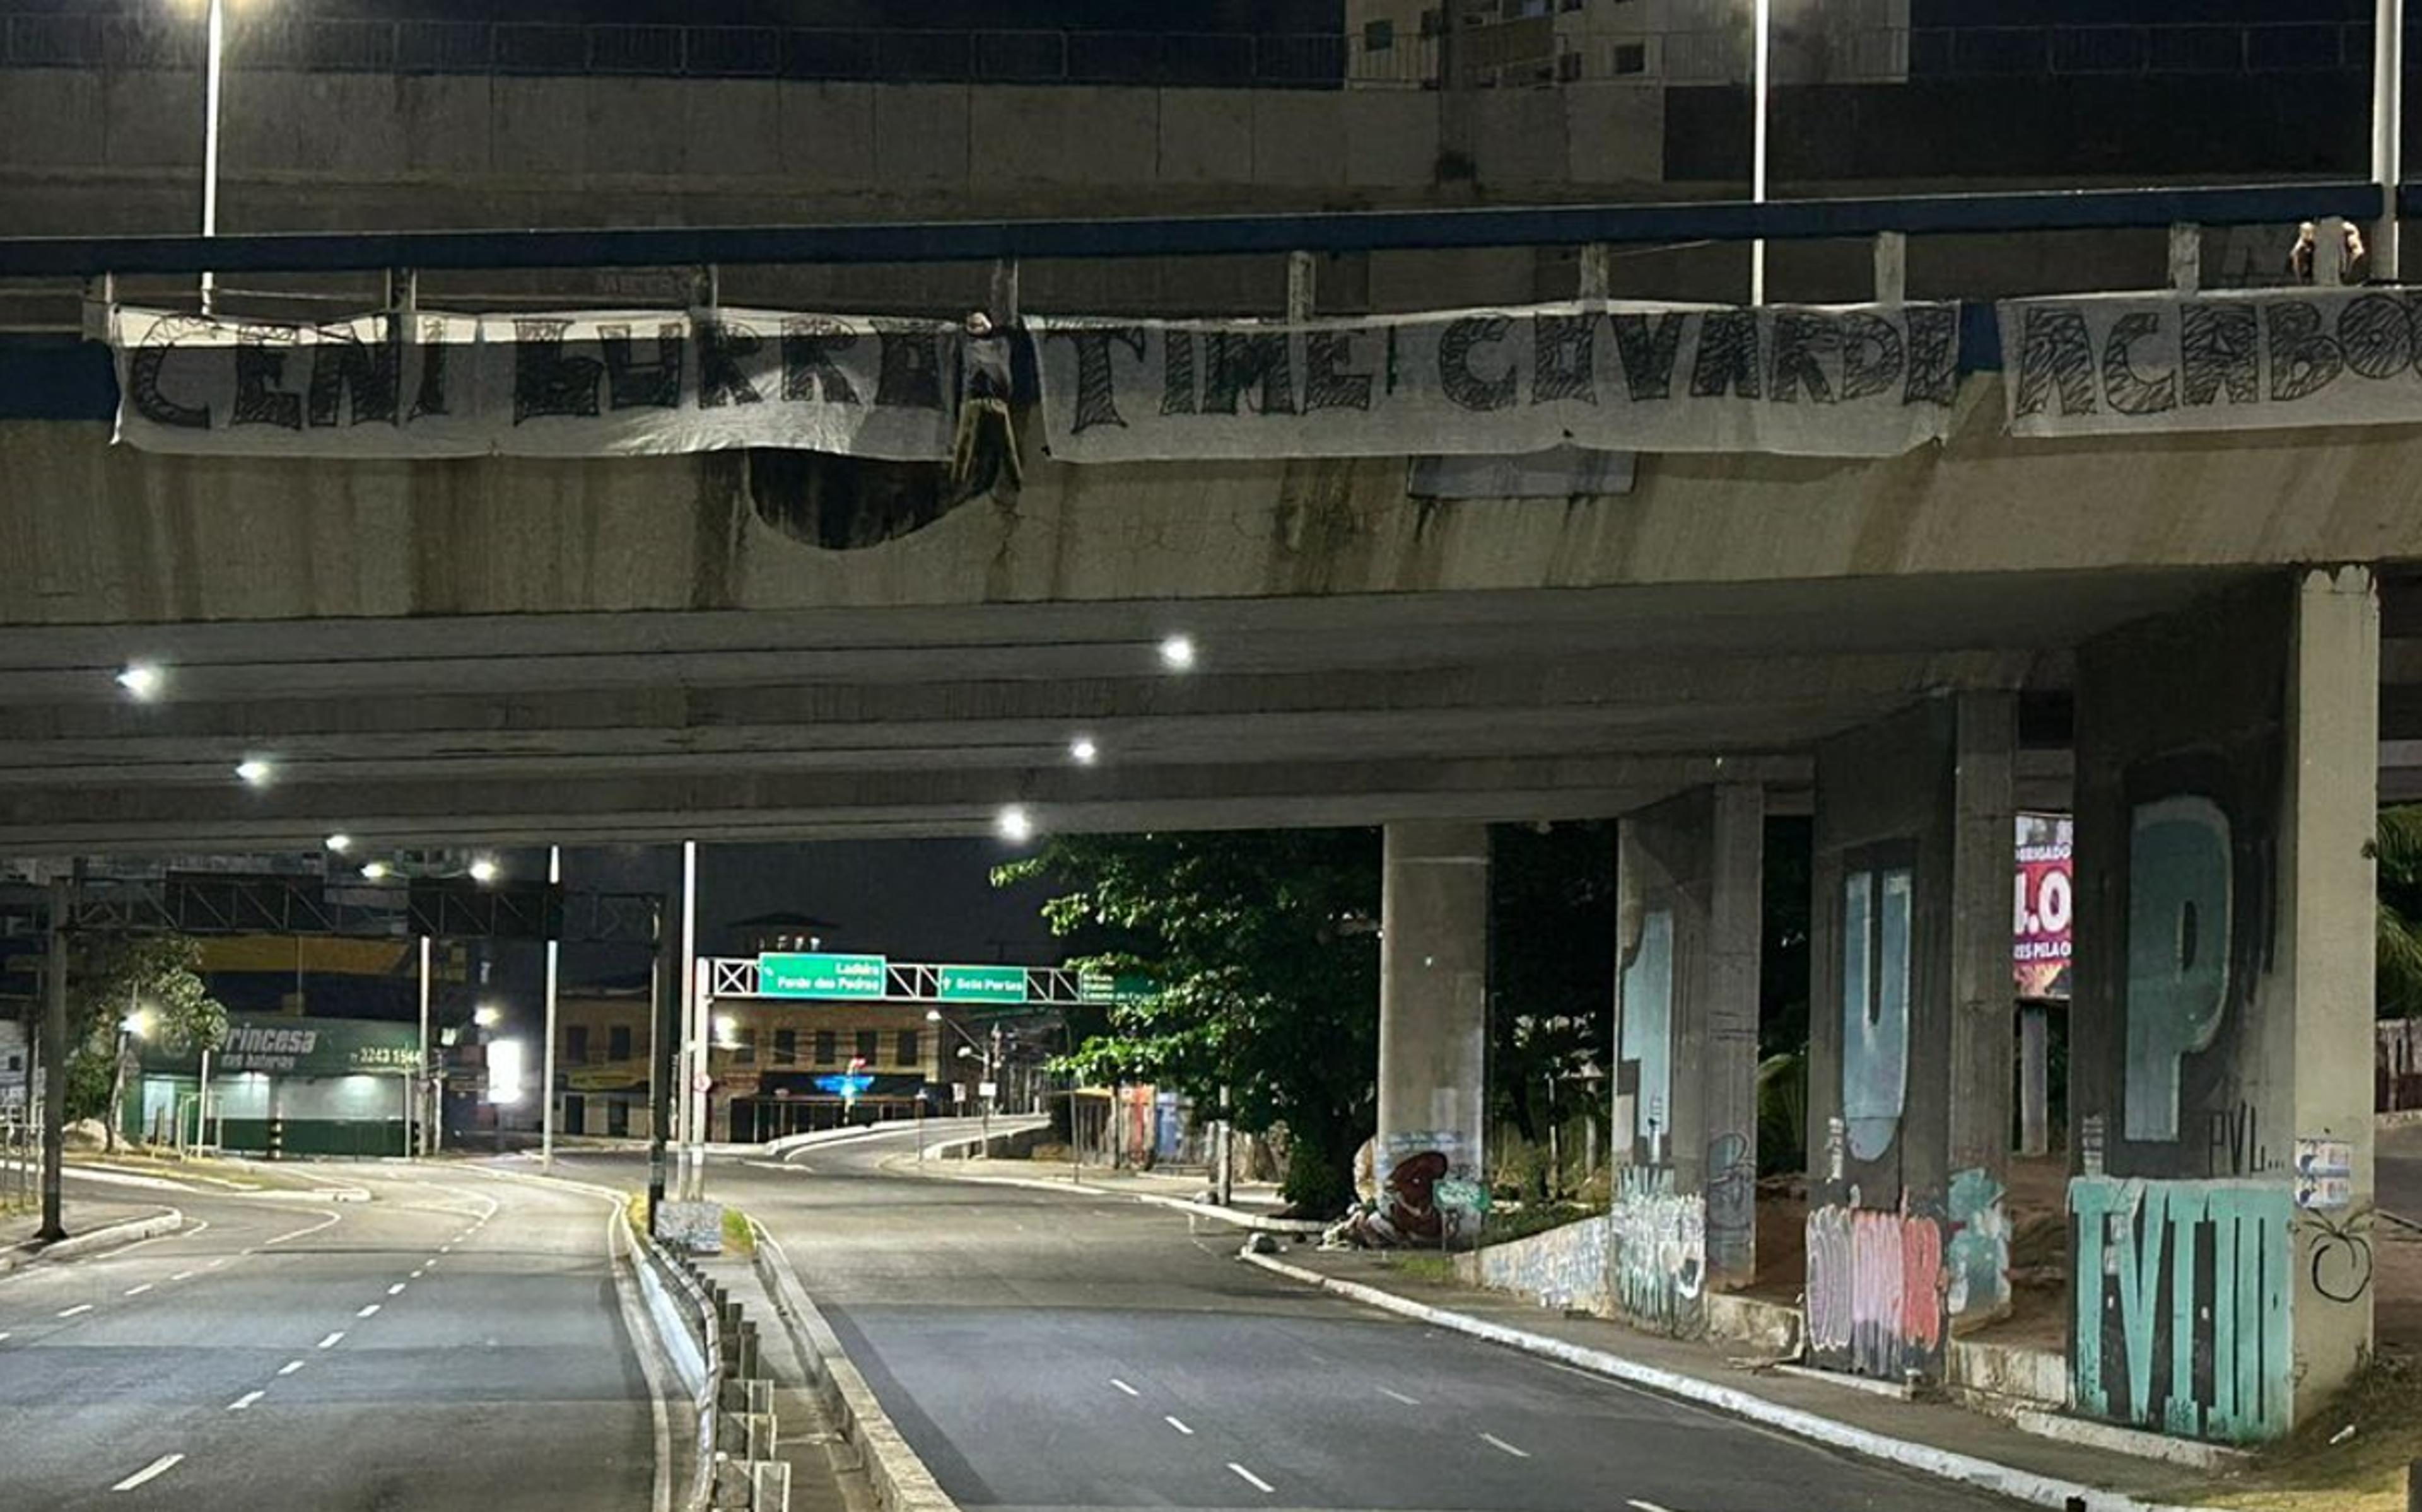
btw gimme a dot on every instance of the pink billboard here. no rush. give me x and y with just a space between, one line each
2041 927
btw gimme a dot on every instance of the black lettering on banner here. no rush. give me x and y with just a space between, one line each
2302 360
1234 360
260 367
2056 356
1563 358
2376 335
1648 348
1462 385
429 397
1870 355
1933 355
344 367
1803 340
632 384
2129 390
908 375
809 371
1727 361
1097 396
2219 347
546 381
142 371
1177 372
723 349
1327 384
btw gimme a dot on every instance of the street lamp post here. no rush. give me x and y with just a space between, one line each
214 67
975 1050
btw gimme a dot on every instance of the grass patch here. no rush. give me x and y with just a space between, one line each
2305 1472
1502 1224
1432 1268
738 1238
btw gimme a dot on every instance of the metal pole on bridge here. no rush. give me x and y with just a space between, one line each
425 1079
1761 59
53 1051
554 961
2387 129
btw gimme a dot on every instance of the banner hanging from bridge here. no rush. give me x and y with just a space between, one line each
590 384
2145 364
1833 381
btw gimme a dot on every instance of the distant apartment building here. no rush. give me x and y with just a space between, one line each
1538 43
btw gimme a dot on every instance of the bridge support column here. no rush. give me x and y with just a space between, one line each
1434 1022
1910 1011
2226 796
1685 1215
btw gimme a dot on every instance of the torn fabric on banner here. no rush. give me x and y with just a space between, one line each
1834 381
626 384
2145 364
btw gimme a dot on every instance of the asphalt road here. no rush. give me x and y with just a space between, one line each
455 1341
2399 1174
1051 1351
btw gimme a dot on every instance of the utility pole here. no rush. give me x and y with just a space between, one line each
54 1068
554 959
428 1074
664 1028
2387 130
693 1035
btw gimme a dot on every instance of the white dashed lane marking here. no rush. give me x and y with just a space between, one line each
1400 1397
245 1400
80 1307
1250 1479
150 1472
1179 1426
371 1311
1124 1387
290 1367
1494 1439
330 1342
137 1292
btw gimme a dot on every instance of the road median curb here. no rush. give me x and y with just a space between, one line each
133 1231
1942 1464
1260 1223
901 1481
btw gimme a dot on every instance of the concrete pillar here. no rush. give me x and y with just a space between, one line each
1688 920
2034 1079
2226 792
1434 1020
1909 1020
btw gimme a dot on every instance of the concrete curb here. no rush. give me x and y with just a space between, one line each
901 1480
1257 1222
1944 1464
133 1231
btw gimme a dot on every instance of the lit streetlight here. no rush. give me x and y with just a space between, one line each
255 770
1177 653
142 680
377 871
483 870
338 843
1015 825
1083 752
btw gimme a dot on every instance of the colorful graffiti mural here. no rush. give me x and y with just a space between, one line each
2180 907
2182 1295
1977 1260
1876 1291
1659 1254
1645 1043
1430 1196
1875 1008
1562 1268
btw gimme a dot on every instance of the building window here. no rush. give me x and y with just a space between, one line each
1568 67
908 1047
1630 57
575 1044
870 1045
747 1045
786 1046
1575 5
1378 36
827 1051
1432 22
618 1042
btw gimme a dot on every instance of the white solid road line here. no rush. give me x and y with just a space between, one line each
1124 1387
137 1291
327 1221
1518 1454
80 1307
330 1342
1400 1397
150 1472
4 1338
1250 1479
397 1290
1179 1426
290 1367
371 1311
245 1400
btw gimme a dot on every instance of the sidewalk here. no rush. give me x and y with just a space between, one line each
822 1477
82 1216
1935 1438
1255 1204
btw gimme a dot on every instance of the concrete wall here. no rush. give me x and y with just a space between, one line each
1562 1268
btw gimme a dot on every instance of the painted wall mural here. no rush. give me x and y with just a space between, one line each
1977 1262
1875 1008
1876 1292
1646 1041
1562 1268
1429 1193
1732 1209
2180 912
2182 1294
1659 1254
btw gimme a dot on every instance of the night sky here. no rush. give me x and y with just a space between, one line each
1268 16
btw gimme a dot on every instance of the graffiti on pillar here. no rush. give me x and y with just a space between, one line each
1876 1291
1732 1206
2182 1290
2179 922
2335 1249
1430 1195
1875 1007
1660 1253
1978 1259
1646 1046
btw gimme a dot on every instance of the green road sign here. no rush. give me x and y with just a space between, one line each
979 984
822 977
1098 986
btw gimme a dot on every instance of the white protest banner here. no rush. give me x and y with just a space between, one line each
626 384
1847 381
2121 364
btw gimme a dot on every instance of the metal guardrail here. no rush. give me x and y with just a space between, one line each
1571 225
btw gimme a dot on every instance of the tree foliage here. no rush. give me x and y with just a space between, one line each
1264 946
2398 910
111 977
1551 970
